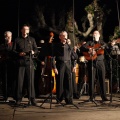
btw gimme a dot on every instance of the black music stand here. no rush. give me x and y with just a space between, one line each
85 85
117 74
110 59
51 49
114 53
111 80
91 66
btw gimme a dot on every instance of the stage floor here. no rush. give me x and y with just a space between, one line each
80 110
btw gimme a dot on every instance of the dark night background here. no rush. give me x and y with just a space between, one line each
15 13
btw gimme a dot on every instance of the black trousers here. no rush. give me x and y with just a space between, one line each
26 72
64 81
96 71
8 78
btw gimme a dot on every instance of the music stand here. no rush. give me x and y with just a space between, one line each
92 100
51 49
116 53
117 74
110 59
90 58
84 86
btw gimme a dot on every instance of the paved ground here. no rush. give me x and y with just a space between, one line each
81 110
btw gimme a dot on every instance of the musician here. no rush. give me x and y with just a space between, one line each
62 68
25 48
96 66
82 67
7 71
74 59
46 76
115 54
39 70
115 47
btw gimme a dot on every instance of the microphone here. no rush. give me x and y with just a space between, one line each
65 39
29 41
68 41
6 40
78 49
27 34
93 38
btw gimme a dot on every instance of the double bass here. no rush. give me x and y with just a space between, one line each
47 79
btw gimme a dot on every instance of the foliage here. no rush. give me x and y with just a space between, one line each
116 33
89 9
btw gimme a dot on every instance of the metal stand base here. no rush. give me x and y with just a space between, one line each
51 97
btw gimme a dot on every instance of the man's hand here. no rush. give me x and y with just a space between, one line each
92 51
56 71
113 43
32 52
74 69
42 63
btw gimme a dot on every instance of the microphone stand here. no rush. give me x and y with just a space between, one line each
50 96
71 78
91 55
84 86
30 67
30 91
117 65
111 79
92 78
111 74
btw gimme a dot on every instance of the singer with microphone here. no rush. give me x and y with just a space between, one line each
94 53
24 48
62 68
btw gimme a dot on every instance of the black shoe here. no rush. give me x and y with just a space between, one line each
76 96
18 102
33 102
68 102
105 99
91 99
58 101
5 99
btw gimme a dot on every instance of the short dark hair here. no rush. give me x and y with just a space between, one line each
26 25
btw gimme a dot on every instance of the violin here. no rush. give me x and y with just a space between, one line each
115 41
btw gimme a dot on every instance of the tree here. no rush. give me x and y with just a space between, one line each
58 18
